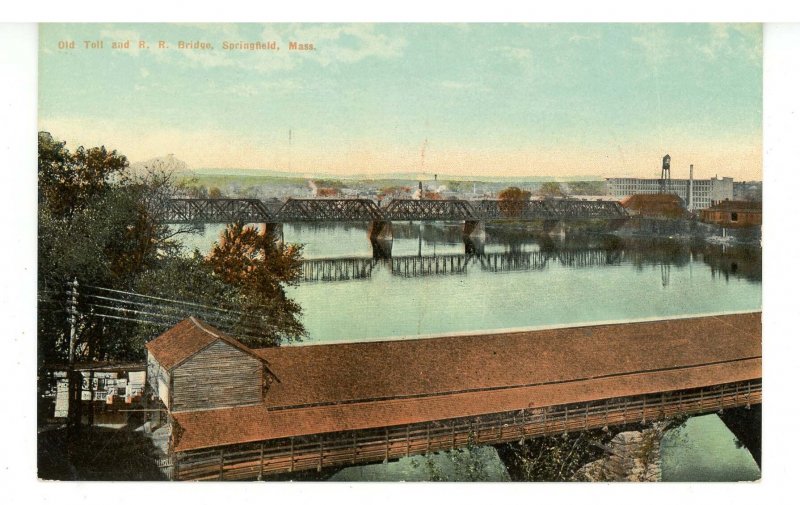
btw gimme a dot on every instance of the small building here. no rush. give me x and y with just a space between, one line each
667 206
194 366
733 214
107 391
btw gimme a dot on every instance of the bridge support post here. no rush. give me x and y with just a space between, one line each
555 228
381 237
474 237
475 230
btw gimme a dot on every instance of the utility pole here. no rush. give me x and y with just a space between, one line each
75 385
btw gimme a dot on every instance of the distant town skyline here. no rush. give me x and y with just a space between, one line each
496 100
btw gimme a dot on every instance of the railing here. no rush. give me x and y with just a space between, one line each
254 460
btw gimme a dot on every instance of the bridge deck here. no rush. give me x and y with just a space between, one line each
344 387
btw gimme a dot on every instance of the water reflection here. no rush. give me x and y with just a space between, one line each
512 253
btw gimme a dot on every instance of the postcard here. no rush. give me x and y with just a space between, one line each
394 252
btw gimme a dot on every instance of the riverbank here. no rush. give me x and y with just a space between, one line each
689 229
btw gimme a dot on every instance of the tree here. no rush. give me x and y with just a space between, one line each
97 223
551 189
89 219
257 264
512 201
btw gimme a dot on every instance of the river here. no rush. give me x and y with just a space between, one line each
518 280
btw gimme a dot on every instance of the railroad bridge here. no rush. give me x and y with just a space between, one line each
552 213
241 413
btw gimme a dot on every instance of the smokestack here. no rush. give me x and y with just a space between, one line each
691 188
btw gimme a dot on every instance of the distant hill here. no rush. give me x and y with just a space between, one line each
168 163
389 176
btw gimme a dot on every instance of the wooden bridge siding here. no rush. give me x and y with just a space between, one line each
218 376
247 461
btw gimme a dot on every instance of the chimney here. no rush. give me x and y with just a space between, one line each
691 188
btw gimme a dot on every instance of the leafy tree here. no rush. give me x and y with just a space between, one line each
97 223
464 464
512 200
554 458
257 264
586 187
551 189
514 193
91 226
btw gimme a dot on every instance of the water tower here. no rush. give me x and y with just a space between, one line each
663 184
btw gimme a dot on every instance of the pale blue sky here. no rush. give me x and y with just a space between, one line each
493 99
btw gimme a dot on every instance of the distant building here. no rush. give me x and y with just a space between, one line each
659 206
733 214
703 191
749 191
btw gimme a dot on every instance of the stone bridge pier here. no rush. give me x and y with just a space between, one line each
381 237
475 230
474 237
555 228
745 424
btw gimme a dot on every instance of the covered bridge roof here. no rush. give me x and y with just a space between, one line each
339 387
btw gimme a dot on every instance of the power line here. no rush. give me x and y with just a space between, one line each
161 312
155 297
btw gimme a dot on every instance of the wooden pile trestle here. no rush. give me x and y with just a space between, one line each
256 459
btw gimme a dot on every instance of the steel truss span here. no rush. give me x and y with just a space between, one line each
213 210
248 210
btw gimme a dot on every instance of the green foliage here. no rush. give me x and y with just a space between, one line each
586 187
258 266
468 464
556 458
551 189
96 224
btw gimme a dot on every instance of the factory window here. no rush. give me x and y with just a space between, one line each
734 216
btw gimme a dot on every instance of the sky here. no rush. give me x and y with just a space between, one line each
603 100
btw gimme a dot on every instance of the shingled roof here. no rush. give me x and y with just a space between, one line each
339 387
186 339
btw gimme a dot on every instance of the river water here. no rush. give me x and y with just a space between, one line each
518 279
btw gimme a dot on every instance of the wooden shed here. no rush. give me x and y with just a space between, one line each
194 366
733 214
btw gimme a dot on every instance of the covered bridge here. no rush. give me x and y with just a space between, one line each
240 413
